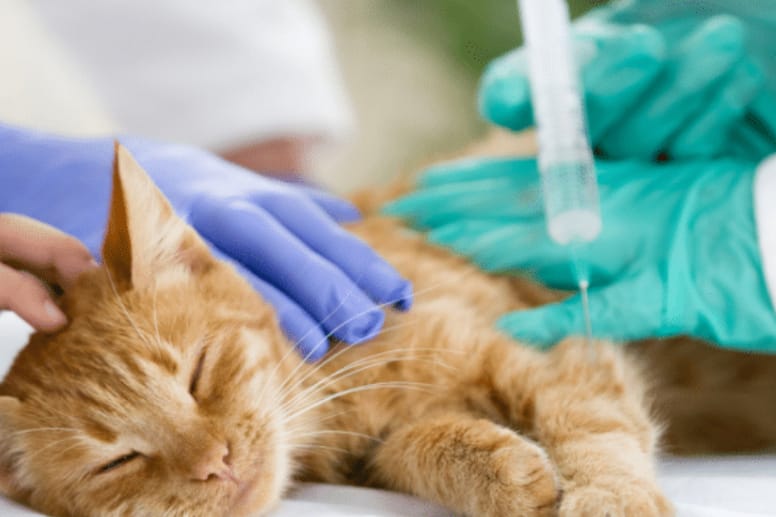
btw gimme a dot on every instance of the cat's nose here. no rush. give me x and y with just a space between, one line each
213 464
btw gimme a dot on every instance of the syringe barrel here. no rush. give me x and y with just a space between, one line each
571 201
566 163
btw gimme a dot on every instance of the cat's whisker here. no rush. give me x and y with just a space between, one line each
345 373
66 439
335 431
383 305
330 334
312 390
345 349
356 367
142 336
366 363
379 385
388 303
325 418
155 316
332 357
294 345
73 446
319 420
317 368
285 387
43 429
420 386
60 441
322 447
292 349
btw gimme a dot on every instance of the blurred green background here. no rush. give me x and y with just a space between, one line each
471 31
411 68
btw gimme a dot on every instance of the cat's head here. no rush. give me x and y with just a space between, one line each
162 396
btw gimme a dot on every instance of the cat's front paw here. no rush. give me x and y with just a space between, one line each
525 483
619 499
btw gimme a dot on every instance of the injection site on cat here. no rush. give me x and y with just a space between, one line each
568 176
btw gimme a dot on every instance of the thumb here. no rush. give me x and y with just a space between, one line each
504 95
627 310
338 209
618 64
547 325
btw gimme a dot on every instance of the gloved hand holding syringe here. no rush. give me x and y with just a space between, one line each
569 185
682 252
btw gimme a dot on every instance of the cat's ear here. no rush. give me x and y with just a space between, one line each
144 236
9 410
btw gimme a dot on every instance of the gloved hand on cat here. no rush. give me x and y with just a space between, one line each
678 253
284 239
662 77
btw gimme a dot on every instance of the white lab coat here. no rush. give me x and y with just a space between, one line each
765 217
213 74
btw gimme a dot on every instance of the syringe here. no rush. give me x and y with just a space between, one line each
569 185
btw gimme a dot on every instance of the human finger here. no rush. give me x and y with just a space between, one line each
257 240
625 62
305 334
348 253
680 93
49 253
473 188
24 294
502 247
617 66
338 209
521 171
487 199
627 310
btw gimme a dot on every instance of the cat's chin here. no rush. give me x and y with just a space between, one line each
244 501
260 486
250 499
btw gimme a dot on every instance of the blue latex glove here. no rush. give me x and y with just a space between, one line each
678 253
282 238
682 78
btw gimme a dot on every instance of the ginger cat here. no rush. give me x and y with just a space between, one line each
173 392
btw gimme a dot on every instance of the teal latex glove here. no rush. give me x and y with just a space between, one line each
678 253
682 78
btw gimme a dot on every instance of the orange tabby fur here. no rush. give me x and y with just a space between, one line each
439 405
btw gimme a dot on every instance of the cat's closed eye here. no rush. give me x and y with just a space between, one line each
118 462
197 374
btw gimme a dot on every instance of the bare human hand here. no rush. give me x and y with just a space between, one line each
32 252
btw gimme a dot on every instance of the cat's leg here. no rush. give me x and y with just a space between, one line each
591 416
470 465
